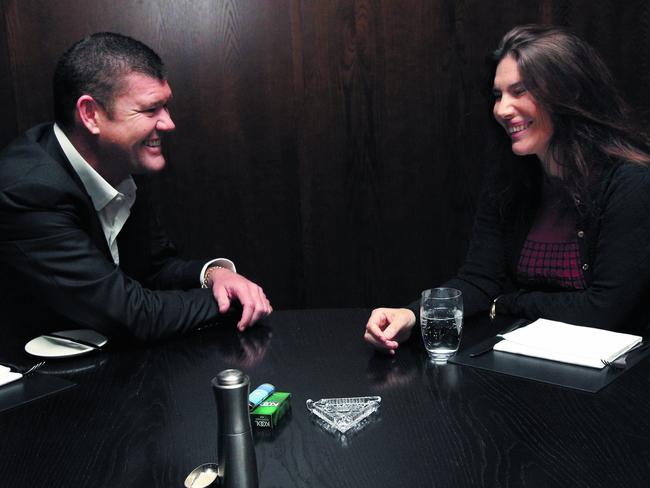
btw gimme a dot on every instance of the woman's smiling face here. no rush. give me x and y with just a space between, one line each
527 124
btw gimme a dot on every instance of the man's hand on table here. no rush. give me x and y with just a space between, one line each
387 327
227 286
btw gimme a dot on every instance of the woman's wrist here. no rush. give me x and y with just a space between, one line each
493 308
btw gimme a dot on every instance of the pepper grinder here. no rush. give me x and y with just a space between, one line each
237 465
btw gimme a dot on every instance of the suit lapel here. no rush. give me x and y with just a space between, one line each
51 145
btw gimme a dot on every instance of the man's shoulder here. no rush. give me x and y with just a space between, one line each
31 157
32 138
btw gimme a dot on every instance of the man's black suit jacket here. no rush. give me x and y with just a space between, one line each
56 270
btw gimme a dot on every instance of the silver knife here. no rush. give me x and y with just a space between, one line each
56 335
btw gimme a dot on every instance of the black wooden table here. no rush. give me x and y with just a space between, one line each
145 416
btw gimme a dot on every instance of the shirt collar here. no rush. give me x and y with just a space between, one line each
100 191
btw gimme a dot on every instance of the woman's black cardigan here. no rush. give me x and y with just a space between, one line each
614 245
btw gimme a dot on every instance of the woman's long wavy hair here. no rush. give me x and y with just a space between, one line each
593 127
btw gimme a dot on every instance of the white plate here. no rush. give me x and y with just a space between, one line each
52 347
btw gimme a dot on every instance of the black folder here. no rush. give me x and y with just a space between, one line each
562 374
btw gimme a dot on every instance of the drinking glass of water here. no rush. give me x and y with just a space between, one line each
441 322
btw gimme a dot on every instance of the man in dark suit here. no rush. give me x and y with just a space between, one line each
77 249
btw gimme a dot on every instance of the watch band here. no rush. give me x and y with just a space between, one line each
206 277
493 308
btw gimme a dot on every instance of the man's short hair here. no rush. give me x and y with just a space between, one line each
96 66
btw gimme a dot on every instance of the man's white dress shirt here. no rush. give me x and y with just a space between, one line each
113 205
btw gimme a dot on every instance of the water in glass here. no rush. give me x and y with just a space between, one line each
441 322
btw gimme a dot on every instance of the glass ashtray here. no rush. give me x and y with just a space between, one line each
344 414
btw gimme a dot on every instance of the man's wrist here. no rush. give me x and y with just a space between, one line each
220 262
206 282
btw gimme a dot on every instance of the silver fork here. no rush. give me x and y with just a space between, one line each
33 368
618 363
621 361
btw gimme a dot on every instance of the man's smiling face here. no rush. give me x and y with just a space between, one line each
130 133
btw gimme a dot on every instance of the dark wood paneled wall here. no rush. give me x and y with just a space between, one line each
334 149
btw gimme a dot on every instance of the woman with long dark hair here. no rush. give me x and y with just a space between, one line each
563 227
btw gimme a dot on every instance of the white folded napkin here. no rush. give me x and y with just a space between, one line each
566 343
7 376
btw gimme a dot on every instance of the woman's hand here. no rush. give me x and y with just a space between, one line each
387 327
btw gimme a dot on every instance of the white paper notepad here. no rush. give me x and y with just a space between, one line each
567 343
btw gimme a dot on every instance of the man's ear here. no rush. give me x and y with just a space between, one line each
90 113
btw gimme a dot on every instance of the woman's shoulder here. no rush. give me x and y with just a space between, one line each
627 188
629 175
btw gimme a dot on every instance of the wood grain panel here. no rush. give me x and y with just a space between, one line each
8 121
334 149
